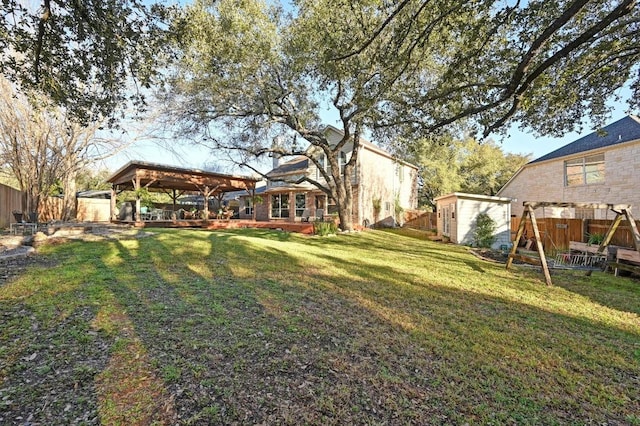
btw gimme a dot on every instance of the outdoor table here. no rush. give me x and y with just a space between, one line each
24 228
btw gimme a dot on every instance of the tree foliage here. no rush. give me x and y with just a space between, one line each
543 64
415 68
246 70
484 231
82 54
449 165
43 147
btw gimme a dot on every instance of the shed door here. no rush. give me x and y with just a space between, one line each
446 221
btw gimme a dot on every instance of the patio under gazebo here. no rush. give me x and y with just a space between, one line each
177 182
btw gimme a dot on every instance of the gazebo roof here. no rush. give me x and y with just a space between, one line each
159 177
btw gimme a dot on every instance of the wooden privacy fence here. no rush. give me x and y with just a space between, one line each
93 210
88 209
10 200
557 233
419 219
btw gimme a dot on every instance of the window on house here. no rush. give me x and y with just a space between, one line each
301 203
342 161
280 205
584 170
324 163
248 206
584 213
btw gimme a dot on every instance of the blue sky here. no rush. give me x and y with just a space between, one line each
192 156
197 157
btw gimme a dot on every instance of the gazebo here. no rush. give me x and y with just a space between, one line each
174 181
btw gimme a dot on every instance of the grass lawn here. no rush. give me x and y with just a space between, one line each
265 327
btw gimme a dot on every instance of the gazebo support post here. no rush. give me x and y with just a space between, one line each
205 194
136 188
173 198
112 203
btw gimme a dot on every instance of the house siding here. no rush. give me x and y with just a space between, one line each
463 210
545 182
467 214
384 178
376 174
446 208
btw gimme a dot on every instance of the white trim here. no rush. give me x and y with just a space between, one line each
476 197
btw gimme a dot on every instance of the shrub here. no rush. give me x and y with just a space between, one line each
595 239
323 228
483 235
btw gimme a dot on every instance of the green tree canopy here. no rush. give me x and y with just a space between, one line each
545 65
88 56
449 165
415 68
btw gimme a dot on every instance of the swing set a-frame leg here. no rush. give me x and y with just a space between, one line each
528 211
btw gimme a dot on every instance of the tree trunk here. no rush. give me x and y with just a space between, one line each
343 200
69 210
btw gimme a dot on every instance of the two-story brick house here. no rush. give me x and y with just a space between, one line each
378 179
601 167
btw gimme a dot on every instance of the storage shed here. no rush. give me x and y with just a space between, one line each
458 212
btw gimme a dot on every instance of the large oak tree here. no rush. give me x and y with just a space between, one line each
413 68
88 56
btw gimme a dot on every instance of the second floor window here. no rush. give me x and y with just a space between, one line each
584 170
324 163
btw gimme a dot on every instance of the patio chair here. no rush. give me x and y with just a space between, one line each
320 214
144 213
305 215
156 214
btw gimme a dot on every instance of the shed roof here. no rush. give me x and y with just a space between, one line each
621 131
479 197
160 177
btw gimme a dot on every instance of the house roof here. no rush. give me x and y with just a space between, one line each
624 130
300 163
94 193
160 177
372 147
296 165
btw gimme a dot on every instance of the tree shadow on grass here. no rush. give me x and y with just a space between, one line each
242 330
340 340
603 288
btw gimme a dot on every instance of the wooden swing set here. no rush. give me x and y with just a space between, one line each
622 211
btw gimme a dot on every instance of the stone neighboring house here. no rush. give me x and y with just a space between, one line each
377 176
601 167
458 212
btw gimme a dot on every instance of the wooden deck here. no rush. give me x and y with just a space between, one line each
300 227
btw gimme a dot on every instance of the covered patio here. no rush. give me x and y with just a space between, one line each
138 176
176 182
